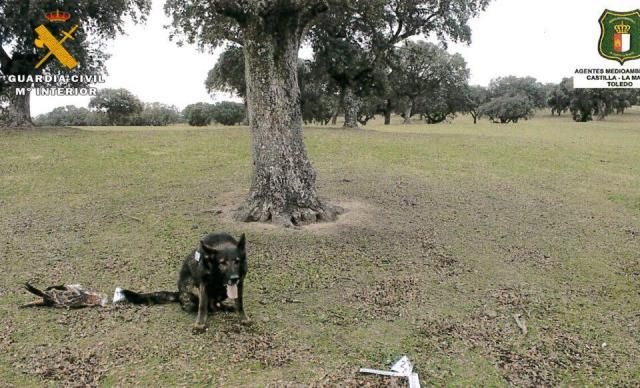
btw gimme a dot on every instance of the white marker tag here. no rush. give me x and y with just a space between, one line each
403 365
401 368
197 256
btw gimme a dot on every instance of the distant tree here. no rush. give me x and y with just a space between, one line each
587 103
199 114
97 23
524 86
426 79
354 38
69 115
73 116
509 109
476 96
416 68
120 105
623 99
317 94
337 51
559 98
98 119
228 113
370 106
157 114
388 106
443 102
583 104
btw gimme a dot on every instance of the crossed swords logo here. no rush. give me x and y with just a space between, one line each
46 39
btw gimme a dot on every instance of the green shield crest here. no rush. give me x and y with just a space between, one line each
620 35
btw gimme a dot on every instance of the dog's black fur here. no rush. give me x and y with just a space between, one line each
208 272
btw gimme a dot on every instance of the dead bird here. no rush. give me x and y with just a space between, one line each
67 296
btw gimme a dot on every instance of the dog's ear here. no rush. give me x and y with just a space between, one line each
241 245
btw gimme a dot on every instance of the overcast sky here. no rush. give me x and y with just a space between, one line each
546 39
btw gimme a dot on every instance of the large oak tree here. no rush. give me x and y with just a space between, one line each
98 22
283 188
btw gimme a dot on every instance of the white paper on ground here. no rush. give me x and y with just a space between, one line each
401 368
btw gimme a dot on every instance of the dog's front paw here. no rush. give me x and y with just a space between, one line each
199 329
245 320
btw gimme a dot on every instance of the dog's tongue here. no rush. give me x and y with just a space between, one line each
232 291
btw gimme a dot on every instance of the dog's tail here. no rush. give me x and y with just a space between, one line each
161 297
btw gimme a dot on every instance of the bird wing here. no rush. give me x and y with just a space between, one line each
45 297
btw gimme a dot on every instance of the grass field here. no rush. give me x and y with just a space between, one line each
453 229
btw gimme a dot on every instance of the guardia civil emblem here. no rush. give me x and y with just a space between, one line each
620 35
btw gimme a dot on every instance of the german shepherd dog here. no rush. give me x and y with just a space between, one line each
211 273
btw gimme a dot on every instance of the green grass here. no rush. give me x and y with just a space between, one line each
453 229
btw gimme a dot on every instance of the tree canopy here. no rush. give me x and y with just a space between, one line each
559 97
476 96
507 109
118 104
512 86
426 79
227 74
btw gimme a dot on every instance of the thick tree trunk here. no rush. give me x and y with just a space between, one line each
19 111
351 108
283 181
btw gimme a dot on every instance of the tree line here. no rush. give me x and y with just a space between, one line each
421 79
116 107
427 82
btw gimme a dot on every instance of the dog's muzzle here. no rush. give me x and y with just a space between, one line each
233 279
